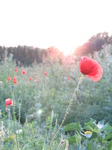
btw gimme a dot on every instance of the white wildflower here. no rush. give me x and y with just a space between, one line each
19 131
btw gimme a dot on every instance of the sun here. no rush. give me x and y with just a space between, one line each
67 49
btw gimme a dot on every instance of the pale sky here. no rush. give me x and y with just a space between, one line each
64 24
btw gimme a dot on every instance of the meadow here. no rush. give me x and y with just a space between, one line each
38 119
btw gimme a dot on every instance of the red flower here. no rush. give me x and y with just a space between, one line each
24 72
16 70
8 102
91 68
30 78
9 78
14 80
68 78
45 73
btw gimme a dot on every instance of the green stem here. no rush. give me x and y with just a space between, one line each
9 120
14 118
67 110
19 112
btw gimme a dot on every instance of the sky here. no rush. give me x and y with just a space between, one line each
65 24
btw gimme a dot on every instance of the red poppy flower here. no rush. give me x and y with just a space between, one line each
91 68
45 73
16 70
9 78
24 72
14 80
30 78
8 102
68 78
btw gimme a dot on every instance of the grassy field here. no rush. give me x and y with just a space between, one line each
40 97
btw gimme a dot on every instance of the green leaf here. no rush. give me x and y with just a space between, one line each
106 127
88 128
109 145
96 130
72 127
108 136
91 124
49 122
72 139
101 137
94 135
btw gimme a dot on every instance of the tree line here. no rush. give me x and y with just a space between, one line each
27 55
95 43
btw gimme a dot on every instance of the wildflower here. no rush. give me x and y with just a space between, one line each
36 81
30 78
16 70
9 78
39 111
99 125
14 80
45 73
8 102
68 78
19 131
24 72
91 68
88 134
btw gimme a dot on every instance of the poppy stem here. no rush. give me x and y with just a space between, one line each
9 121
19 112
68 109
14 118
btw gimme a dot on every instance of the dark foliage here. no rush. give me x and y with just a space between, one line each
23 55
95 43
27 55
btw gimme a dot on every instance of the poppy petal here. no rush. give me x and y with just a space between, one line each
91 68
